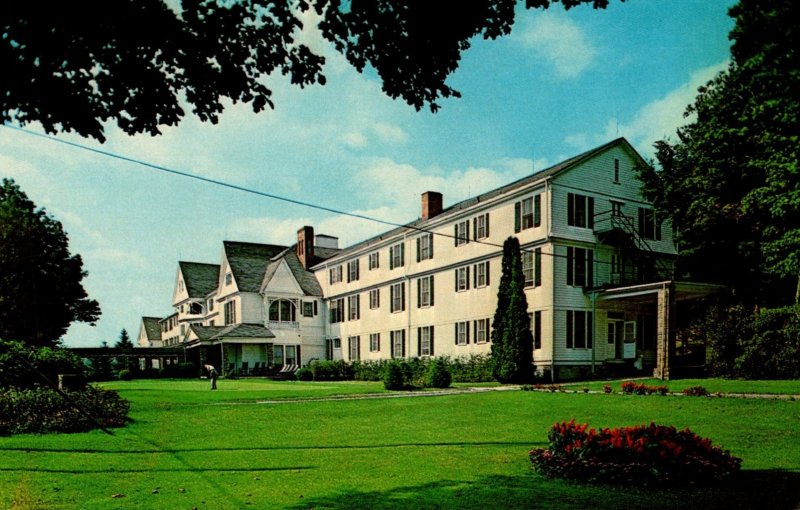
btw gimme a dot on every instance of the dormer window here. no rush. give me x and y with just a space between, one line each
228 278
282 310
616 171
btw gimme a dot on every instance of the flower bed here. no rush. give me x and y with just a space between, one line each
641 455
632 388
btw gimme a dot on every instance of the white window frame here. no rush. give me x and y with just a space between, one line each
425 247
375 342
481 271
397 294
352 270
353 307
374 299
397 255
481 331
462 232
462 279
462 333
481 226
426 341
336 274
425 291
374 260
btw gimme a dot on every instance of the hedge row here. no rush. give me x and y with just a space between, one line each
474 368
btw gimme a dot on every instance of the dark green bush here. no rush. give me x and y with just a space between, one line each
304 374
438 374
327 370
186 369
42 410
125 375
50 361
393 376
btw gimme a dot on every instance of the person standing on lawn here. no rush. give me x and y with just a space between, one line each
212 374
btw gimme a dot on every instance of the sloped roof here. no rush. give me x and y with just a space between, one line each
248 262
200 279
305 278
152 328
520 183
207 333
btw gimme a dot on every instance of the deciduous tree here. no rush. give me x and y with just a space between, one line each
72 67
40 281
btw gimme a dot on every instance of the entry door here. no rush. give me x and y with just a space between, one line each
615 336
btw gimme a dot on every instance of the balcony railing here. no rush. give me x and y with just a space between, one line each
283 324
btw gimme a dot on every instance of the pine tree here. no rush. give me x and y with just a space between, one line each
124 341
512 341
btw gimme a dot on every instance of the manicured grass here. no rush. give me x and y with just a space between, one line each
738 386
191 447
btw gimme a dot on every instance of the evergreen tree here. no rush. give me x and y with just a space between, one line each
512 341
40 281
124 341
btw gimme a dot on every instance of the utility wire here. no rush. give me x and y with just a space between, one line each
273 196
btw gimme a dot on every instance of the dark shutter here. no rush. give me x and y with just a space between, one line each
467 328
456 278
455 234
537 210
403 296
590 268
569 329
403 254
570 265
430 246
590 212
570 209
430 288
391 298
589 329
487 224
641 227
487 272
403 335
467 277
430 339
419 342
537 267
391 257
419 241
456 333
419 292
475 227
475 277
517 216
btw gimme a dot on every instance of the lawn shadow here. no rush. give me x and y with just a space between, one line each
773 489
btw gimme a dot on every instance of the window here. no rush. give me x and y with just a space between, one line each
230 312
353 307
398 343
616 268
532 267
425 247
353 347
396 255
425 291
337 310
580 210
375 342
335 274
462 333
228 278
462 232
277 354
180 285
282 310
536 329
528 213
374 299
308 308
616 171
292 353
579 329
210 305
481 327
616 208
397 297
337 343
462 279
183 329
374 260
481 274
480 226
648 226
425 341
580 267
352 270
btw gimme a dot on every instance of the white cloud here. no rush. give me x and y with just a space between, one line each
390 133
656 120
354 140
555 38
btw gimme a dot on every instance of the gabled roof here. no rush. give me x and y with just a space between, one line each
248 262
539 176
200 279
304 278
152 328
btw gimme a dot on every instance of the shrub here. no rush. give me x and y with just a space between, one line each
326 370
695 391
41 410
125 375
607 388
632 388
438 374
50 361
393 377
304 374
641 455
186 369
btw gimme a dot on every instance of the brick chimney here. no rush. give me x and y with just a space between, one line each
431 204
305 246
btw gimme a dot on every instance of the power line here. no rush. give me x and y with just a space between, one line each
161 168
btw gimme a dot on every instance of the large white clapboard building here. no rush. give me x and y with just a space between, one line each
598 280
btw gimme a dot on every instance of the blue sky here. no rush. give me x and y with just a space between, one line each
561 83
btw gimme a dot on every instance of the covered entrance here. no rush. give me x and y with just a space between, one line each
651 338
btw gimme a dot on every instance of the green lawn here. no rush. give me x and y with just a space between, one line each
190 447
736 386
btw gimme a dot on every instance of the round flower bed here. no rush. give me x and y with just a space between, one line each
641 455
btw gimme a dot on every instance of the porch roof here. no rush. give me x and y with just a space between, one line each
234 333
646 292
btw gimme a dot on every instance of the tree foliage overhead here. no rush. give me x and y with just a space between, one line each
730 182
73 67
512 342
40 281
